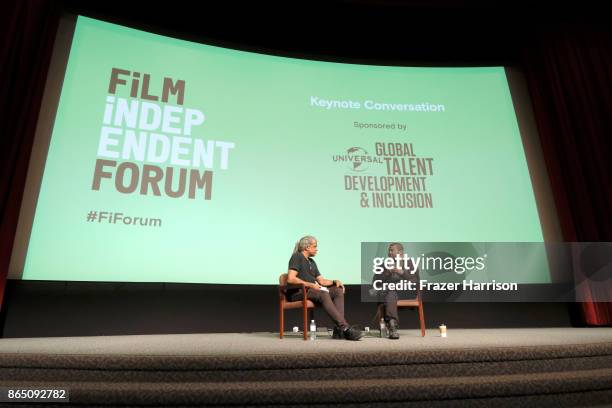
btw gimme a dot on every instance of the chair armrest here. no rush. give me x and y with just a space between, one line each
282 291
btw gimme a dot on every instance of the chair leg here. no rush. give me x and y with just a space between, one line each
422 319
305 322
282 321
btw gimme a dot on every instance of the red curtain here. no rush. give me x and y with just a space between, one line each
27 30
569 73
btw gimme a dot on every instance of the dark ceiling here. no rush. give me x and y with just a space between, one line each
453 32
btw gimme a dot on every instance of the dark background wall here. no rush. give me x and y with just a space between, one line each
564 50
84 309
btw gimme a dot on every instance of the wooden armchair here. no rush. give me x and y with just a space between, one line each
409 303
284 304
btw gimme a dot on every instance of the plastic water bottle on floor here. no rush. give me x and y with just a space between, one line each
313 330
383 329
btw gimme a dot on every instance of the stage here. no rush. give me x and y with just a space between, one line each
476 367
268 344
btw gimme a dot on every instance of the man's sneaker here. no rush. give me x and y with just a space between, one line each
350 333
393 329
337 334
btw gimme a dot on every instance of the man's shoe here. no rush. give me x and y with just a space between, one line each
337 334
393 329
350 333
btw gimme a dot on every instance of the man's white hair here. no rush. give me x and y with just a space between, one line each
304 243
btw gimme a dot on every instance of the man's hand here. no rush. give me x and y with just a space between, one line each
340 285
315 286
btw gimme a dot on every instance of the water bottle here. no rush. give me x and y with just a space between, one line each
383 328
313 330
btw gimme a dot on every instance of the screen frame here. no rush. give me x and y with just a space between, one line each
543 195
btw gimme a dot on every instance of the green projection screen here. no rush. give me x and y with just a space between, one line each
173 161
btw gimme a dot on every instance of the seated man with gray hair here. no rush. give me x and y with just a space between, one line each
303 270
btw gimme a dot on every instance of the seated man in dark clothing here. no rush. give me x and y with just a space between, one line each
390 297
327 293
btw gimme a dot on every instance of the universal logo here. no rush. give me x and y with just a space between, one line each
356 159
